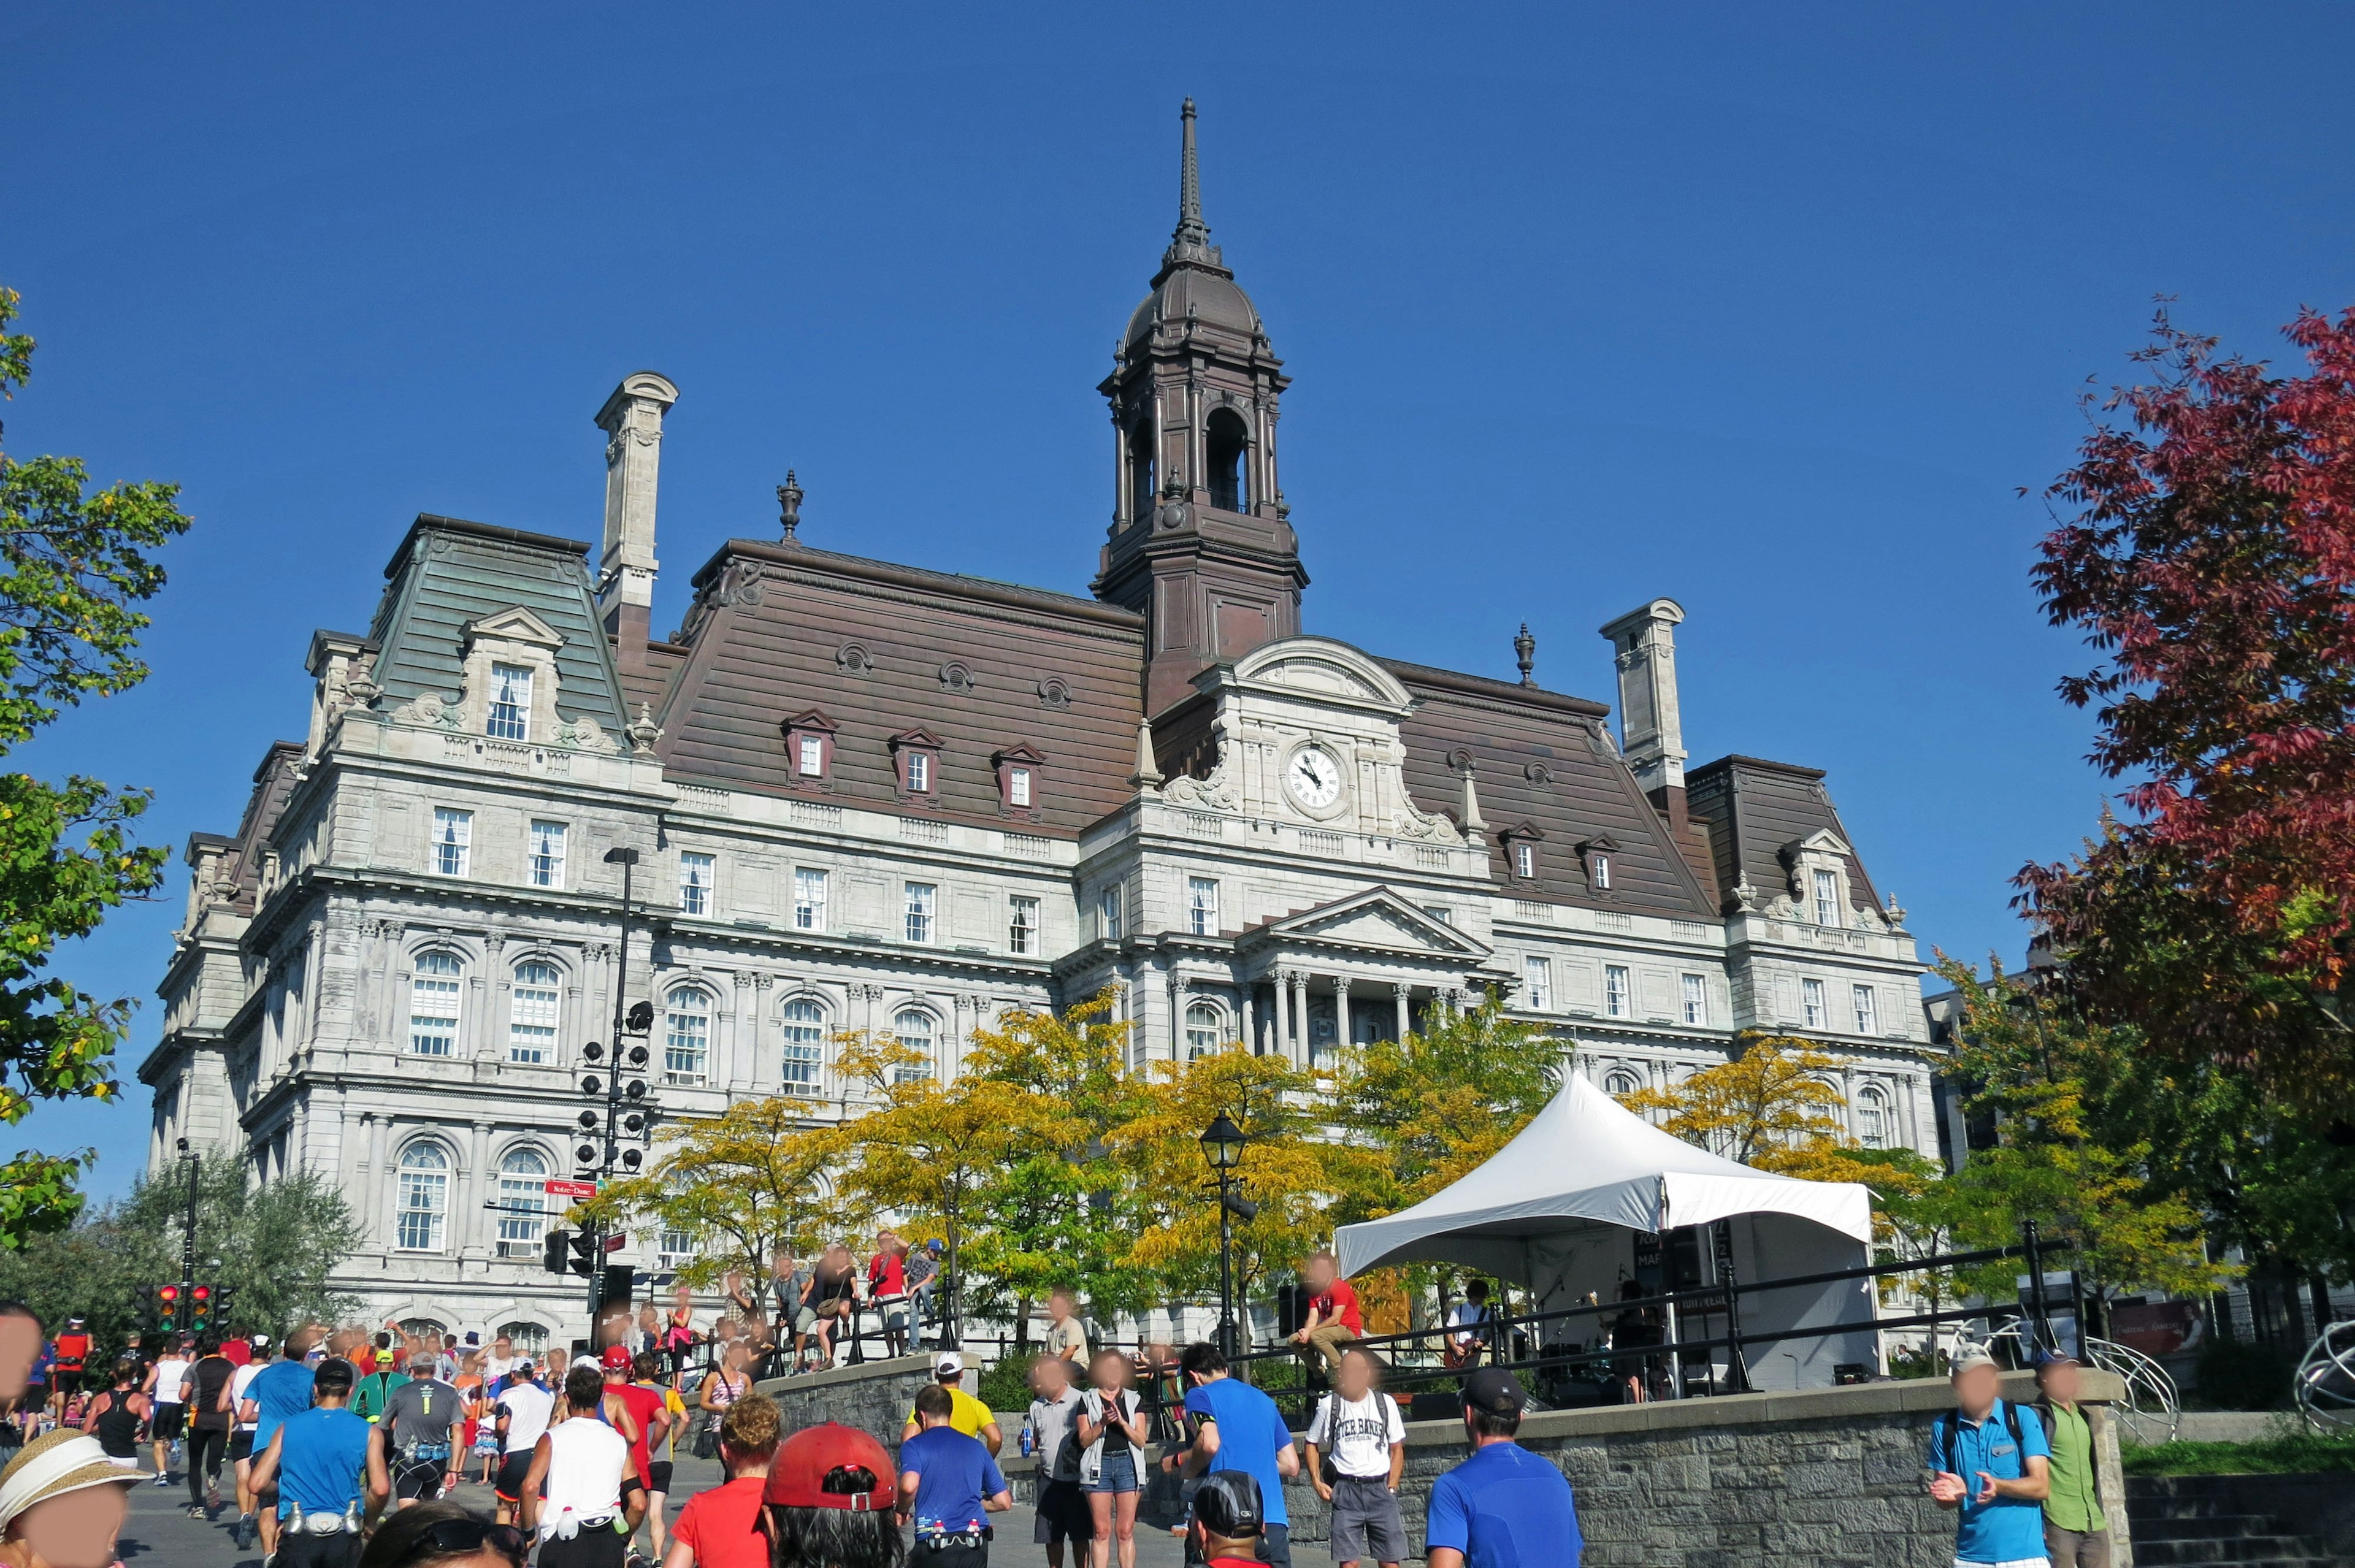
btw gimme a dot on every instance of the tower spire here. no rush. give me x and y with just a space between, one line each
1191 239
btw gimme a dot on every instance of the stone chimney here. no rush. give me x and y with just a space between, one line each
1651 734
631 420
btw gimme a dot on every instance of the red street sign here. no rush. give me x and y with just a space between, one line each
615 1243
581 1190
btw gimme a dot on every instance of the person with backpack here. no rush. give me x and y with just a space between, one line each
1357 1453
2076 1533
1991 1467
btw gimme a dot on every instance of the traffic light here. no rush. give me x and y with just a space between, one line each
222 1296
583 1246
553 1251
168 1306
200 1308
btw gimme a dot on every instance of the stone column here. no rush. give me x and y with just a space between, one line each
1299 1048
1341 1012
1246 1009
1399 995
477 1188
372 1178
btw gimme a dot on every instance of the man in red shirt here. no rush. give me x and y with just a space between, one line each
720 1528
649 1414
1334 1322
72 1353
1225 1528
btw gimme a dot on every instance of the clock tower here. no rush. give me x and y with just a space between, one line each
1200 542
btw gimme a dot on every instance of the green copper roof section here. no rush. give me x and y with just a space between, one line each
449 574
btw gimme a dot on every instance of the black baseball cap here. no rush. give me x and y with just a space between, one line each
1228 1504
1495 1391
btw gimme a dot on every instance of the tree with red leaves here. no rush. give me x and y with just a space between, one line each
2211 558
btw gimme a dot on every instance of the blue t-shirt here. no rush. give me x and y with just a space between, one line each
1250 1433
320 1455
954 1473
1505 1507
278 1391
2008 1529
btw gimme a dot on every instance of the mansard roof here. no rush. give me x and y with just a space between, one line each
450 573
1541 760
1756 810
778 629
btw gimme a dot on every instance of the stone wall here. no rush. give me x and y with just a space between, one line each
875 1396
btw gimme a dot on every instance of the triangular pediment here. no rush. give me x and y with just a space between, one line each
1377 919
516 625
1822 841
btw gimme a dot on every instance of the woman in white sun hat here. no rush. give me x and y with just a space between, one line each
62 1502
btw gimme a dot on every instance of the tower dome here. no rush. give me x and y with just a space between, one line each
1193 281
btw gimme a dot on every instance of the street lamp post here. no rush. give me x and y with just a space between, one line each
1222 1146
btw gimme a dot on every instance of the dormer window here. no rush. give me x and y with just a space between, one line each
1521 850
1018 779
510 712
916 760
1595 855
809 748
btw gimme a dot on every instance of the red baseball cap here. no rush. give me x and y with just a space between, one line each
617 1357
797 1475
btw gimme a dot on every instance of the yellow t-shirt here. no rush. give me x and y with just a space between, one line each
969 1415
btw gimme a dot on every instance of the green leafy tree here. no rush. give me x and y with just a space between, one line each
278 1244
73 562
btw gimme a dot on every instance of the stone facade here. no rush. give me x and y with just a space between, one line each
868 796
875 1398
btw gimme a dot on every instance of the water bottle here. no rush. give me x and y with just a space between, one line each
352 1517
293 1517
1028 1441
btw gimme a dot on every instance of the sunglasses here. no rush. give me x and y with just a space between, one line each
463 1536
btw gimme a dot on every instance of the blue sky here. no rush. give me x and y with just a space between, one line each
1772 310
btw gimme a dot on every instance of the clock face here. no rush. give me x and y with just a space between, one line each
1313 777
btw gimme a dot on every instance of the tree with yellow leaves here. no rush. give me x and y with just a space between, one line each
1772 1105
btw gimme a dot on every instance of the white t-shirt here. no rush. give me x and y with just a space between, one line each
1358 1433
168 1373
1465 1319
528 1406
245 1374
496 1367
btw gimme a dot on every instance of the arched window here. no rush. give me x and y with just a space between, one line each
805 1044
424 1196
1143 484
1226 450
531 1013
1201 1030
914 1029
1871 1117
523 1203
529 1339
433 1004
687 1036
1619 1083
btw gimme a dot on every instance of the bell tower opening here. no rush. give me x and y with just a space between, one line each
1227 454
1143 484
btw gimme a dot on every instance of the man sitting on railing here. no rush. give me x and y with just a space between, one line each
1333 1320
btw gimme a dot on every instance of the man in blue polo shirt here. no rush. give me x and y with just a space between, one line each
1238 1428
1990 1461
949 1486
279 1391
1504 1507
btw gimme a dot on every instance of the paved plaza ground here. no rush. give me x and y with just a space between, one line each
160 1535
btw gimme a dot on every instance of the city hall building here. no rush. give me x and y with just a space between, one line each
872 797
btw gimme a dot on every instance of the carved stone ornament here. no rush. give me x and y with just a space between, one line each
957 677
643 731
1054 692
854 659
1427 826
740 583
431 709
360 689
585 735
1744 895
1218 791
1174 514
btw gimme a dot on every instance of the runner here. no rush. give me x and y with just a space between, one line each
240 1436
331 1482
720 1528
115 1415
830 1501
636 1413
413 1439
72 1359
368 1401
279 1391
949 1485
524 1408
210 1415
163 1391
580 1492
667 1415
33 1405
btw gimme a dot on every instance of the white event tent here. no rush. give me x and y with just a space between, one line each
1559 1208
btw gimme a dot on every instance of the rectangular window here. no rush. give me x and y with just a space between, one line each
1017 787
1602 873
1827 899
1441 913
920 772
810 754
424 1195
1616 998
1867 1019
523 1210
809 899
686 1037
1538 977
1525 859
1203 906
1695 998
453 841
922 899
1814 1010
676 1246
510 714
531 1014
696 876
547 854
1021 924
1108 914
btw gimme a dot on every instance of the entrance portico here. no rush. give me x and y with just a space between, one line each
1358 969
